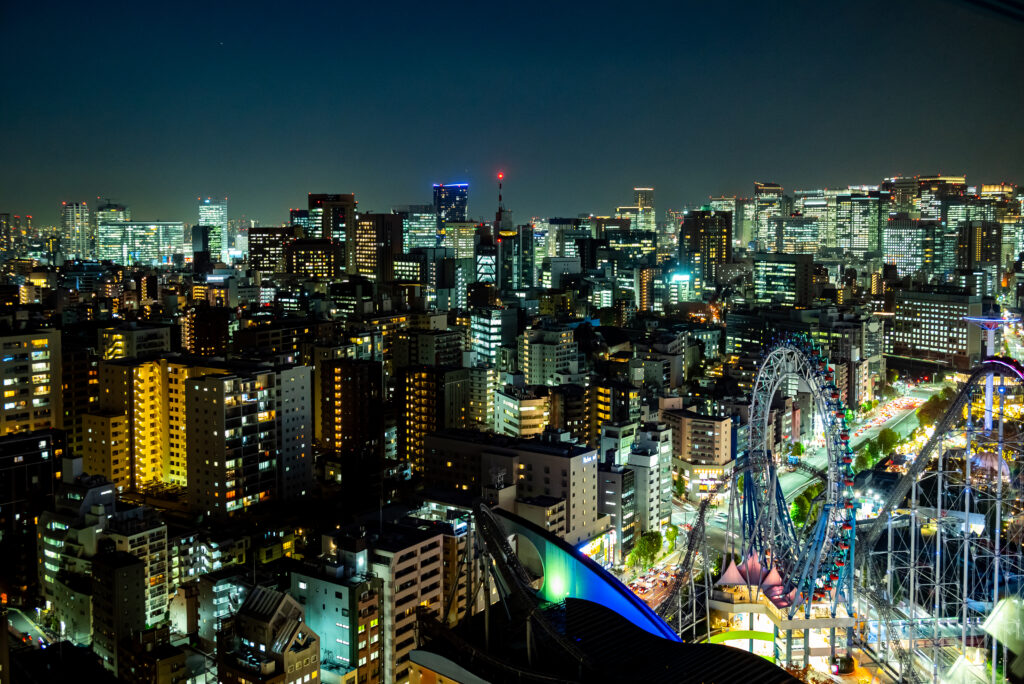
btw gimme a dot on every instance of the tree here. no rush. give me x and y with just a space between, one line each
887 440
633 558
671 533
862 462
891 376
799 449
873 453
680 488
647 547
798 510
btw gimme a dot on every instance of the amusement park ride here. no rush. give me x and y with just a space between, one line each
911 587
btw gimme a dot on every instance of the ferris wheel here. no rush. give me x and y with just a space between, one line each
813 565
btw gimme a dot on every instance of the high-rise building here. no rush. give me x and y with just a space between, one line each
332 213
430 398
29 465
521 411
934 192
351 392
980 243
705 244
118 602
374 240
140 242
108 212
702 449
548 356
769 202
910 245
861 214
929 325
797 234
300 218
459 236
8 239
517 264
419 226
30 372
784 279
231 469
611 401
491 327
314 258
643 218
214 213
74 230
343 603
267 247
451 202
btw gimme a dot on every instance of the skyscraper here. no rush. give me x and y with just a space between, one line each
643 199
705 243
140 242
332 213
214 213
74 224
374 240
300 218
769 202
419 226
451 201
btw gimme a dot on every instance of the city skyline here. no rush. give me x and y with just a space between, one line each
790 82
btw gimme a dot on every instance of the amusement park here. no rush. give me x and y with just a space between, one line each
909 572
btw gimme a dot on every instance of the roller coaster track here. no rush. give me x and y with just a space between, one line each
869 532
697 534
517 582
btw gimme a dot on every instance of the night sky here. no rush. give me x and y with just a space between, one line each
153 104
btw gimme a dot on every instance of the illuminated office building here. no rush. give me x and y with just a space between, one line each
314 258
459 236
705 244
335 215
546 356
643 200
491 328
516 260
74 230
299 218
861 214
214 213
451 202
419 226
267 247
797 234
929 325
910 245
521 411
30 379
148 243
784 279
373 244
934 192
769 202
107 213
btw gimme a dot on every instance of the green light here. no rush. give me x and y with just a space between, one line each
556 587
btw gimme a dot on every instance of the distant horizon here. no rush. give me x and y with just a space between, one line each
191 218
